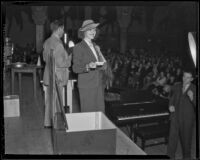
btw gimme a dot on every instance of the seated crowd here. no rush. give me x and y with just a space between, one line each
141 70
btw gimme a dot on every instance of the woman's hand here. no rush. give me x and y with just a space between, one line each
92 65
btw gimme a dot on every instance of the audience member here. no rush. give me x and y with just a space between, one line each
141 68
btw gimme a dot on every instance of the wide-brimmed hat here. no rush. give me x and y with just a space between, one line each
87 25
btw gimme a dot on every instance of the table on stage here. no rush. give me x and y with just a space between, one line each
21 70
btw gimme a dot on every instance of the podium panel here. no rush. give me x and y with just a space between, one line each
88 133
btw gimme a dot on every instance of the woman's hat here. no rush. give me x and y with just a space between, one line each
87 25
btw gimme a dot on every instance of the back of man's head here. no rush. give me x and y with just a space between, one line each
56 24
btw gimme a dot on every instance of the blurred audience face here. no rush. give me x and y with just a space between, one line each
155 71
172 78
178 71
167 88
132 64
168 75
162 74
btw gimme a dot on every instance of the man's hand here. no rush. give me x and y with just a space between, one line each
171 108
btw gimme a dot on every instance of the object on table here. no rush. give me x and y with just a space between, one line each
19 64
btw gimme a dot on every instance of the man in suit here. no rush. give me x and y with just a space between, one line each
86 54
62 63
182 106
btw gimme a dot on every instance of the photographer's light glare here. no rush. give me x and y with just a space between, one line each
192 45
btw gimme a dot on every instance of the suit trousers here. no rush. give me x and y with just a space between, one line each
49 112
48 109
92 99
182 130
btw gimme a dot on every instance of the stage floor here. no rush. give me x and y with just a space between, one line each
26 134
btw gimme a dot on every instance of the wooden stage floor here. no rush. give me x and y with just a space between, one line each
26 134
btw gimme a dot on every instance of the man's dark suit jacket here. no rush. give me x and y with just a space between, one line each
182 120
184 108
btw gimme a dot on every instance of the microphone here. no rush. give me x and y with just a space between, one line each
65 38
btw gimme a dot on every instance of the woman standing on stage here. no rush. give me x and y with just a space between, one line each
86 58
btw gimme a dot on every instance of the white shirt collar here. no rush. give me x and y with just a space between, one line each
93 49
186 87
89 43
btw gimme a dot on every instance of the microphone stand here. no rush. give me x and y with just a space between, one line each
65 41
66 107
